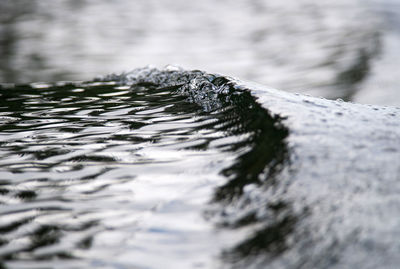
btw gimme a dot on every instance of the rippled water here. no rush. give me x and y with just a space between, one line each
187 169
133 174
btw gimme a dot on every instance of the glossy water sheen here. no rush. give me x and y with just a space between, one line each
111 175
323 48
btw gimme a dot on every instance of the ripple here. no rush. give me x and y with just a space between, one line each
96 172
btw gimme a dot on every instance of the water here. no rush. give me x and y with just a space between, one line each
194 170
152 167
129 175
315 47
380 86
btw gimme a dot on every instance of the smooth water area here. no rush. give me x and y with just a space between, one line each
110 174
344 49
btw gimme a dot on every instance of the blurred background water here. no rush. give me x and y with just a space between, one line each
343 49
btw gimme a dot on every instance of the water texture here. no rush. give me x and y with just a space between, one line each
344 49
194 170
122 172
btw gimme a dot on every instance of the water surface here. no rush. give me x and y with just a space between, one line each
322 48
132 173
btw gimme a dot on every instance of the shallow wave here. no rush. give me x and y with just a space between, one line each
124 169
194 170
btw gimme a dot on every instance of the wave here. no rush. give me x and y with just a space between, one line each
194 169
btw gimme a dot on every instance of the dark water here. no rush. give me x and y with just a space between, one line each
137 172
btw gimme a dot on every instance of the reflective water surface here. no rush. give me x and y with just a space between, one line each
344 49
111 174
